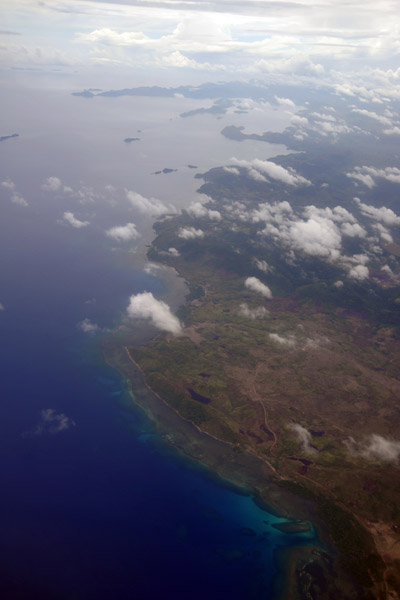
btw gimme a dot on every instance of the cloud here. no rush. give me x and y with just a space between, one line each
366 175
149 206
232 170
54 184
260 168
173 252
87 326
289 341
123 233
372 115
1 306
255 285
285 101
316 237
262 265
73 221
190 233
382 214
359 272
52 422
375 447
304 437
199 210
145 306
16 197
8 184
253 313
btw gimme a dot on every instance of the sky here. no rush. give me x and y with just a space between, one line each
178 41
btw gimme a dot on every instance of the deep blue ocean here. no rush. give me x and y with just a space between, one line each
98 509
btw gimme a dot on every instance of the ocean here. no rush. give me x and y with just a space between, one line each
94 505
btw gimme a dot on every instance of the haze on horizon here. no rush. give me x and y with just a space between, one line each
77 43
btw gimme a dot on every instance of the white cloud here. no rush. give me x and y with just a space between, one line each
382 214
145 306
123 233
149 206
270 169
54 184
255 285
232 170
70 218
316 237
173 252
52 422
392 131
253 313
359 272
372 115
285 101
262 265
304 437
199 210
375 447
289 341
87 326
366 175
190 233
16 197
8 184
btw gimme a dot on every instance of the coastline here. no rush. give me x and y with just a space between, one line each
242 472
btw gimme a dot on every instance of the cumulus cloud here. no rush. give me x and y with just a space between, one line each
304 437
173 252
284 101
262 265
253 313
145 306
123 233
359 272
375 447
190 233
372 115
54 184
70 218
87 326
199 210
52 422
265 168
232 170
16 197
255 285
382 214
149 206
316 237
367 174
288 341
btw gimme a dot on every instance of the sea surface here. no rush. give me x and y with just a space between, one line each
93 506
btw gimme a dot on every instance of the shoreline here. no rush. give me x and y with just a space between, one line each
244 473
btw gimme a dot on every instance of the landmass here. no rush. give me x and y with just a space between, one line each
3 138
165 171
290 340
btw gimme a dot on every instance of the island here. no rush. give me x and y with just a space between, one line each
283 376
3 138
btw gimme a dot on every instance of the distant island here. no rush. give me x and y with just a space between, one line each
165 171
8 137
